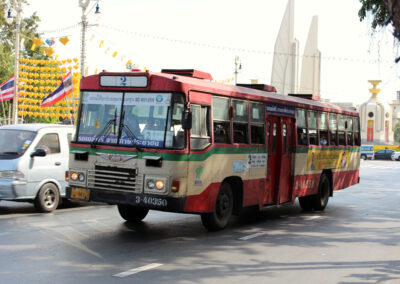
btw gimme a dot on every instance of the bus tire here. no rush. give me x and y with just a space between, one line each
132 213
306 202
324 189
219 217
364 157
47 199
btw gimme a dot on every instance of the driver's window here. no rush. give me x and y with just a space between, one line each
50 143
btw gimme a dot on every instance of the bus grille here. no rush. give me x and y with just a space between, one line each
114 178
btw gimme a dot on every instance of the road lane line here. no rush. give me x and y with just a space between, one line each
251 236
137 270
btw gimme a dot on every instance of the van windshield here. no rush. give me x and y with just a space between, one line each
15 142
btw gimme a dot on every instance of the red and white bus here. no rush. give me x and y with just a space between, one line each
175 141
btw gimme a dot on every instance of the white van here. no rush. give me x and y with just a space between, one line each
34 163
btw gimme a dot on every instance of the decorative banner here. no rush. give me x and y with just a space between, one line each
38 78
64 40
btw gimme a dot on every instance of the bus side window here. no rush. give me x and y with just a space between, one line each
284 139
200 133
274 138
257 117
240 122
221 120
349 128
312 127
301 127
342 130
356 131
332 129
323 129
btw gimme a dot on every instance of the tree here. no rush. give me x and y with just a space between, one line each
28 31
396 131
384 12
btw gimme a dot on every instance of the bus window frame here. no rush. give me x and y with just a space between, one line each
261 123
239 122
332 114
313 129
302 127
207 125
325 130
221 121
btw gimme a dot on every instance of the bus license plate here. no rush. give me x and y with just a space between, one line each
80 194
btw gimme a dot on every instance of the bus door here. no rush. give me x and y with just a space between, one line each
287 130
274 157
279 158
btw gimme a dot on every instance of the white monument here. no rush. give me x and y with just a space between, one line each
376 119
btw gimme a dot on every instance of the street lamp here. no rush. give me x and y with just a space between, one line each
17 5
84 4
238 67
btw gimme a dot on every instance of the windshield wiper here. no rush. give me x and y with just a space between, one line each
103 131
129 132
10 153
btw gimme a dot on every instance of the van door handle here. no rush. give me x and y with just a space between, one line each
57 163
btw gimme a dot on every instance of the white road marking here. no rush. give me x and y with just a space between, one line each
137 270
251 236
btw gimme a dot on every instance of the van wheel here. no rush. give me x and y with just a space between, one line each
47 199
324 189
132 213
219 218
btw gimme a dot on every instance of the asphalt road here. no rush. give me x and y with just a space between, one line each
355 240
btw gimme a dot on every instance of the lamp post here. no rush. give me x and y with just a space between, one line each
238 67
18 7
84 4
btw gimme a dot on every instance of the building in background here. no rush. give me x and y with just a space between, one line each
395 105
376 119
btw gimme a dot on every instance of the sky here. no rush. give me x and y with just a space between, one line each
208 34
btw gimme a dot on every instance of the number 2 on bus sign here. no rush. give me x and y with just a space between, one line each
123 81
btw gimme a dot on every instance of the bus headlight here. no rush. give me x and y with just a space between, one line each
155 184
150 184
160 184
77 176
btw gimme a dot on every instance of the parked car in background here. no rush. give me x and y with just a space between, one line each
34 163
367 152
385 154
396 156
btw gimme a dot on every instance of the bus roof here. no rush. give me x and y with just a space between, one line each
172 82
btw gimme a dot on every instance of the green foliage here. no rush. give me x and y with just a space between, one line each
396 131
28 31
378 10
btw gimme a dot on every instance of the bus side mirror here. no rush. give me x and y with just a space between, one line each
187 120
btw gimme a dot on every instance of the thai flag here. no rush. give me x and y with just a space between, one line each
65 88
7 89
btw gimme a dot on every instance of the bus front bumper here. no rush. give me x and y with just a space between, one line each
151 201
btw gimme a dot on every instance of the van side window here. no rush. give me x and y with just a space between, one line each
257 113
50 143
240 122
221 119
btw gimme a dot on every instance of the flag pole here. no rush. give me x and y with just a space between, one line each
69 113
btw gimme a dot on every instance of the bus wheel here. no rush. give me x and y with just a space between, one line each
321 199
219 218
47 198
132 213
306 202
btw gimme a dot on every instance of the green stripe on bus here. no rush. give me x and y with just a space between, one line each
305 150
178 157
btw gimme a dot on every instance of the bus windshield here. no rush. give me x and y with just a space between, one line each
149 120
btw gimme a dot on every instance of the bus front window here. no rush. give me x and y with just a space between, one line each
152 120
100 115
